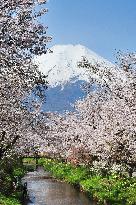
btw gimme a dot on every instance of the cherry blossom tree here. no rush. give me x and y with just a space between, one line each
110 112
105 122
22 36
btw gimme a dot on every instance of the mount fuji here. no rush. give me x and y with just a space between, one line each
65 78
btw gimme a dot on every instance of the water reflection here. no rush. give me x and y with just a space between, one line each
46 191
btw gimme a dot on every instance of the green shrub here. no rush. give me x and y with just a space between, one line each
129 194
19 172
29 160
11 172
76 175
113 190
8 200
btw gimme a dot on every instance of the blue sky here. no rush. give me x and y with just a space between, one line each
101 25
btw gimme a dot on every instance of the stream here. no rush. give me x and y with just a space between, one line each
44 190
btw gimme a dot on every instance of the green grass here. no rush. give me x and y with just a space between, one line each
8 200
114 189
29 164
29 160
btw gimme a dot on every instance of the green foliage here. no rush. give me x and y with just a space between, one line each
29 160
64 171
112 189
76 175
8 200
19 172
11 172
30 167
92 184
29 164
58 169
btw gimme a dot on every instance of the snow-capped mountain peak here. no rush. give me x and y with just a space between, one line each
60 64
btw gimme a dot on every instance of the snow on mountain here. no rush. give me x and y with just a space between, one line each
65 77
60 64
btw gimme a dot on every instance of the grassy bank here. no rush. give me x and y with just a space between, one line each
112 189
11 172
4 200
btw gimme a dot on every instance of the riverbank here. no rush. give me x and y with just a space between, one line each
44 189
113 189
11 172
4 200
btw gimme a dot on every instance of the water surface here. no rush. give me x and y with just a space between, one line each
43 190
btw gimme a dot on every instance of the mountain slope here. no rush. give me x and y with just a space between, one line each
64 76
60 100
61 64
